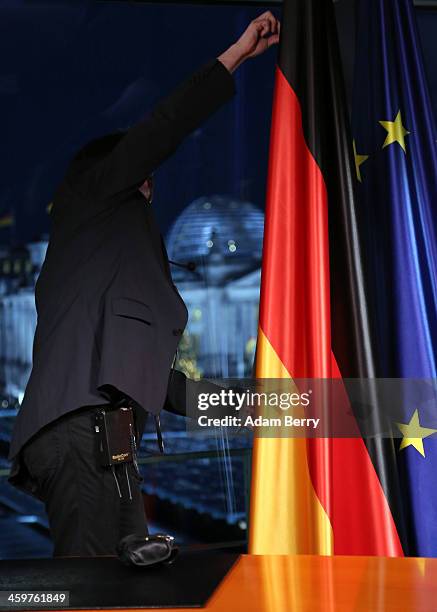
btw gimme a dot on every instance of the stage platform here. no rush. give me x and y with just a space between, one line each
248 583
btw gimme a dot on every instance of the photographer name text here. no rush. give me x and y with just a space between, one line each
259 421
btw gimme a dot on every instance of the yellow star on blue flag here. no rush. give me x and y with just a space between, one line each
359 159
413 433
396 132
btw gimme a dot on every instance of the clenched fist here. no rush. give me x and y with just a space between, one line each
261 33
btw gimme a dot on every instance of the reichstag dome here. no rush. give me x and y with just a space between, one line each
221 238
218 226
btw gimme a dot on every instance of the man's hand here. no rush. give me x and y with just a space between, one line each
262 33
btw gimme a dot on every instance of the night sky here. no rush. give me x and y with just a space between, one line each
71 71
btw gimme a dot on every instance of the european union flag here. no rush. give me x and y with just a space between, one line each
396 165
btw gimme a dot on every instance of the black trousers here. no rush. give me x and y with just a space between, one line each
86 514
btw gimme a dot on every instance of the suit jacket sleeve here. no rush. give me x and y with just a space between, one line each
183 393
147 144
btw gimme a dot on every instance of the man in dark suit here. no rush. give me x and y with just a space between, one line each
109 316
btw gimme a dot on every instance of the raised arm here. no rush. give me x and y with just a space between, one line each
147 144
144 146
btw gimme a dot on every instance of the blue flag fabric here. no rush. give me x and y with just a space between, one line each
396 163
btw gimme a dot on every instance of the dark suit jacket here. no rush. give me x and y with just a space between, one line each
109 316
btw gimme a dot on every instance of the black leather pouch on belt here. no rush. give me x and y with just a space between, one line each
116 436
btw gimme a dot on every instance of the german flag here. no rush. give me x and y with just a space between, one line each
321 495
